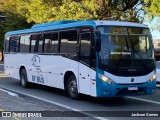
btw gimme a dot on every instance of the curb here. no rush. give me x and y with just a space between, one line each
3 75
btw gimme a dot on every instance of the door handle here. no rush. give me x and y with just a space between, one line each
83 77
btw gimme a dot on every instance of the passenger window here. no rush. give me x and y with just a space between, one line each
68 42
85 39
51 42
40 44
14 44
36 43
72 42
7 44
63 42
24 43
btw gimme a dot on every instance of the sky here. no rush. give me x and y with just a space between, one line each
155 34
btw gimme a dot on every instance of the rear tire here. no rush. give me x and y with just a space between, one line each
72 89
23 79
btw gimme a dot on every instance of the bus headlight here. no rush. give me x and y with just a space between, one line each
105 79
152 78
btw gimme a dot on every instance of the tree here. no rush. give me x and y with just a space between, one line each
118 10
152 10
13 21
39 11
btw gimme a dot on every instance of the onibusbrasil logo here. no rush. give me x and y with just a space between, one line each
36 62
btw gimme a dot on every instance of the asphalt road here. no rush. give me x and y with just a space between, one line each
87 104
20 104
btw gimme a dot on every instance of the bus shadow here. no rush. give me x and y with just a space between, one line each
103 101
56 91
111 101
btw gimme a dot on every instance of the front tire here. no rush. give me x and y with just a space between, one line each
23 79
72 89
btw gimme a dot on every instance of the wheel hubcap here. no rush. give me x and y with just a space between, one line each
22 80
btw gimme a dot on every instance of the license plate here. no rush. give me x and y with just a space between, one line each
132 88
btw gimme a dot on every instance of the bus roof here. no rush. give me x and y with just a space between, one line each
119 23
71 23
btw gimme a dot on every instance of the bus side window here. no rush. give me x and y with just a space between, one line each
14 44
7 44
72 42
68 42
40 44
47 43
51 42
24 43
63 42
85 40
36 43
33 43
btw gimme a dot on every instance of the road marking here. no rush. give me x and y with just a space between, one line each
9 93
144 100
58 104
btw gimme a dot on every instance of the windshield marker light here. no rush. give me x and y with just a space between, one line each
152 78
105 79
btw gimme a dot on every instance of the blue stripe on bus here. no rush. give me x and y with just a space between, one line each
52 27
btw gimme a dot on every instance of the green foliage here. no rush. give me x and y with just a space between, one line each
152 8
39 11
152 11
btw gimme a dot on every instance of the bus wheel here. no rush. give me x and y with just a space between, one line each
23 79
72 89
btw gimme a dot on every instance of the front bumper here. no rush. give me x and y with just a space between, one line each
117 90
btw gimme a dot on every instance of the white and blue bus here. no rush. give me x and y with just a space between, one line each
96 58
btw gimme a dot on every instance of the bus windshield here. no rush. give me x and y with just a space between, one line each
125 47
